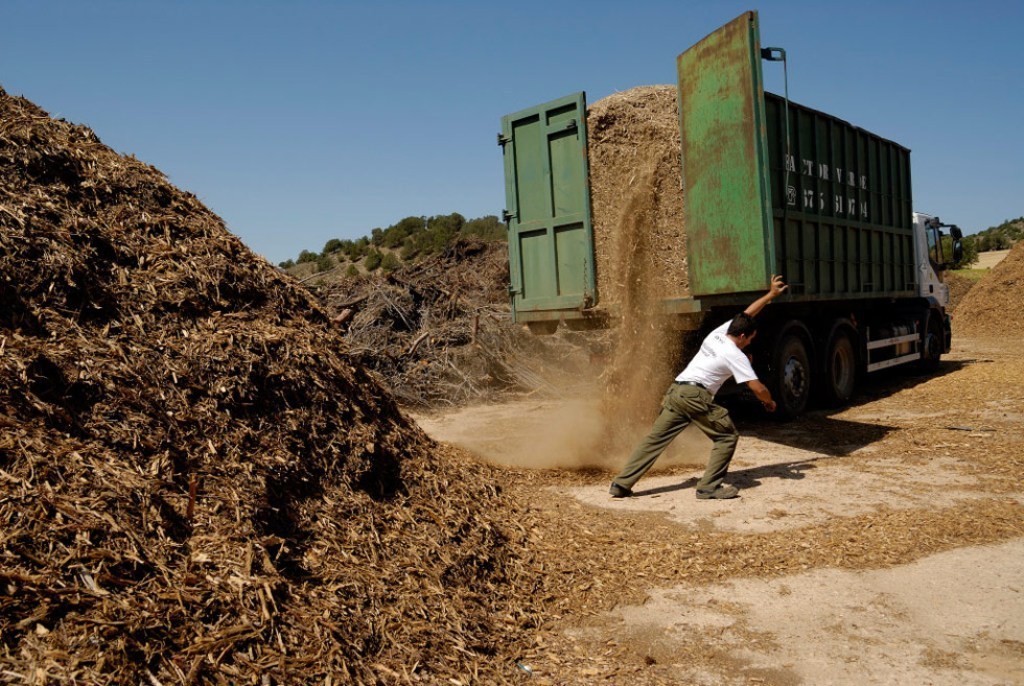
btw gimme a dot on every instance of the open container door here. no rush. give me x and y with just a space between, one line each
727 196
550 240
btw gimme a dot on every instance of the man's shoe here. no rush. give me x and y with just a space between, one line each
618 491
723 492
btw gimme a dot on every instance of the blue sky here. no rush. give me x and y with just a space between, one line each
302 121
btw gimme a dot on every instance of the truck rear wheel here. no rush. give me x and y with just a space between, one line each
839 377
791 376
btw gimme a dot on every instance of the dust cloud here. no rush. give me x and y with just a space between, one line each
569 433
640 259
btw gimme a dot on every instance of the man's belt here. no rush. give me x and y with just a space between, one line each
692 383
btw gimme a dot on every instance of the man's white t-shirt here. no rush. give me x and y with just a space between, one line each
717 360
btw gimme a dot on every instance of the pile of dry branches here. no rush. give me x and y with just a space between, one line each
197 485
439 332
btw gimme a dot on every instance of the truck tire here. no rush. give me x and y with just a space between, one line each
791 376
839 369
931 347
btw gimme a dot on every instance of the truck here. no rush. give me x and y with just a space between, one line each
770 187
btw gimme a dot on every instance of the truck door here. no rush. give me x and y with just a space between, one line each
726 187
550 239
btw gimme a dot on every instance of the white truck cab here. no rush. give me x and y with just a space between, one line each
930 257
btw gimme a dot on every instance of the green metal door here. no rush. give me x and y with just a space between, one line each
550 242
726 188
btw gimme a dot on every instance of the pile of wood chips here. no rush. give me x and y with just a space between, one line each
959 286
992 307
197 483
439 332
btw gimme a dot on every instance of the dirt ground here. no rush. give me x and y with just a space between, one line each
987 260
877 544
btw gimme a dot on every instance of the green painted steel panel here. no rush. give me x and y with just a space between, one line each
841 206
551 246
726 206
834 215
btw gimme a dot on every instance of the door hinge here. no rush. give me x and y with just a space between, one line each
507 216
503 139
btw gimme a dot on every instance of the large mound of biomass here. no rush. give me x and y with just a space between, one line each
196 484
959 286
992 307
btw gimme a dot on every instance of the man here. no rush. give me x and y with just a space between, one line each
691 399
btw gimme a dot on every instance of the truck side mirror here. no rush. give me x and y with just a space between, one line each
958 248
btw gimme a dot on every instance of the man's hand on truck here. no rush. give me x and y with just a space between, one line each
778 287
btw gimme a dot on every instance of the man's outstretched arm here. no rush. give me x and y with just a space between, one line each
778 286
763 394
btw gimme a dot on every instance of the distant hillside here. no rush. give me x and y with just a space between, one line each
1002 237
405 242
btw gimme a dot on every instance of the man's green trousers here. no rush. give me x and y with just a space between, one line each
682 405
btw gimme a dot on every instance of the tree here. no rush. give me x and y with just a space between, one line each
970 251
307 256
331 246
372 261
352 271
324 262
287 264
1001 237
488 228
390 263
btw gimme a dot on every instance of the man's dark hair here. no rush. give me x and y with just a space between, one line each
741 324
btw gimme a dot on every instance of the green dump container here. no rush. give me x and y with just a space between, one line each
828 206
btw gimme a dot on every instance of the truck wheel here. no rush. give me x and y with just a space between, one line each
932 346
542 328
840 369
791 376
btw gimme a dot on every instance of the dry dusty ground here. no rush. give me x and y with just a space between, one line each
989 259
879 544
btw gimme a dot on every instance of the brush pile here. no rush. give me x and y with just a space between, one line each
197 485
439 332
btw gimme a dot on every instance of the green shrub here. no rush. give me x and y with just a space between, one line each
390 262
324 262
372 261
